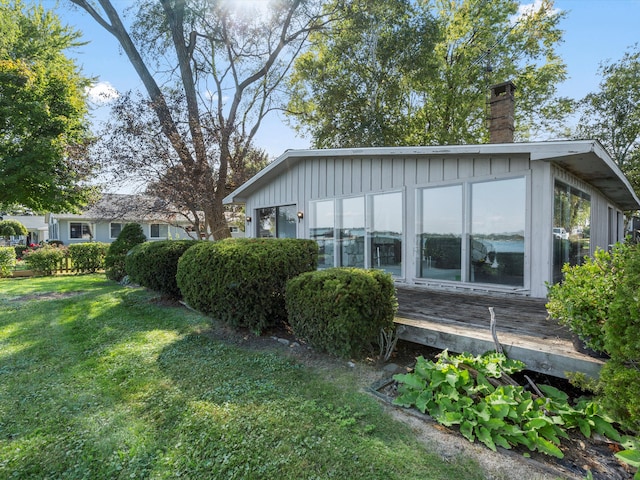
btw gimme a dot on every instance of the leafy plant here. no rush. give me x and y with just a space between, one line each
12 227
87 257
631 454
114 262
7 260
45 260
478 395
583 299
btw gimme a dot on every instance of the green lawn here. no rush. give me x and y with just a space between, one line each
98 381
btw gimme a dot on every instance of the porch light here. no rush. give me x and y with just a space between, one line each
300 216
248 219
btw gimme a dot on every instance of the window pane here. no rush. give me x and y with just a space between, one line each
571 227
351 232
159 230
286 221
321 224
496 244
80 230
267 222
440 233
386 232
116 228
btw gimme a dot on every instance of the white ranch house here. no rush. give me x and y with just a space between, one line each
500 217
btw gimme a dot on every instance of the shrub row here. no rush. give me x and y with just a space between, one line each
154 265
44 260
7 260
87 257
341 310
242 281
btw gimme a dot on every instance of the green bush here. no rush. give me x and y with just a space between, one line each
87 257
154 265
242 281
45 260
583 299
114 261
341 310
20 250
12 227
7 261
620 377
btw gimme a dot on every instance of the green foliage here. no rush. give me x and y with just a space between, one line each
341 310
154 265
631 454
20 249
45 260
620 377
242 281
87 257
114 261
7 261
466 391
12 227
43 115
583 300
396 72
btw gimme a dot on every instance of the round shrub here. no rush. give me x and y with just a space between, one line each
241 281
341 310
154 265
87 257
130 236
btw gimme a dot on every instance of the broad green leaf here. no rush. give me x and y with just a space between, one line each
466 429
554 393
548 448
484 435
411 380
605 428
632 457
585 427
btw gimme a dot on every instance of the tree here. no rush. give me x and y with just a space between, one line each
10 228
43 134
224 67
612 115
442 91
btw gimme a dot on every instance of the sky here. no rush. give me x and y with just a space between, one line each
594 31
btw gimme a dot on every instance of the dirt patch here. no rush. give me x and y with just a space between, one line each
46 296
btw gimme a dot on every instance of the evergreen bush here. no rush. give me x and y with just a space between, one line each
114 261
242 281
7 261
87 257
45 260
154 265
341 310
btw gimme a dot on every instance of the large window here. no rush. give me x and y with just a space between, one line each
159 230
496 241
571 227
351 232
115 229
80 231
386 232
278 222
439 232
321 221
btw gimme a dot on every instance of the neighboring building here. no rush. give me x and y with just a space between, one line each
496 217
103 221
36 226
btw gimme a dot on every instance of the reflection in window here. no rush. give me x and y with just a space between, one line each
115 229
80 230
385 235
277 222
351 232
321 225
571 227
496 241
440 233
159 230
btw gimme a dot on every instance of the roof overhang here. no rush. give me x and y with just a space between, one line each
586 159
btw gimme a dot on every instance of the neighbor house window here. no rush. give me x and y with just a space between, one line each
80 230
278 222
321 229
115 229
159 230
385 231
571 227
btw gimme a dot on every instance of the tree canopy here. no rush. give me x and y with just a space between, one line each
397 72
12 227
612 115
43 125
212 71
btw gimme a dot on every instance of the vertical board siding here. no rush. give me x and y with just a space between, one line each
481 167
450 169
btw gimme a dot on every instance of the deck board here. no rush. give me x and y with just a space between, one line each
460 321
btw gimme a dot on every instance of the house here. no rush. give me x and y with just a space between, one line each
103 221
477 217
36 226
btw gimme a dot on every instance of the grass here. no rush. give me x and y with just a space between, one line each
99 381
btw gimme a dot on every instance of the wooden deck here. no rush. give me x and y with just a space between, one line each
460 321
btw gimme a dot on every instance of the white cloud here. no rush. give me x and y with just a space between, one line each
530 8
102 93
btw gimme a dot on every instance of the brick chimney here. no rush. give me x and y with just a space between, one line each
501 117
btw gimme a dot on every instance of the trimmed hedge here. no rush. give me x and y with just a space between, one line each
7 261
241 281
341 310
130 236
87 257
154 265
45 260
